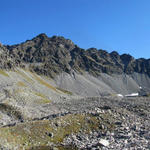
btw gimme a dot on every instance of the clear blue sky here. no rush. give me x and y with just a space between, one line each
121 25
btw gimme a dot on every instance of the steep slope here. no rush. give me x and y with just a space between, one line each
88 85
24 95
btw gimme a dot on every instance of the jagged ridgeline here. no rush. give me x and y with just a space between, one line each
51 56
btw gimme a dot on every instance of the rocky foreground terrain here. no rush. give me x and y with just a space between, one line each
87 123
55 95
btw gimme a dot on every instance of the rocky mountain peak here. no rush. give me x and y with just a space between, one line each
114 54
52 55
42 36
126 58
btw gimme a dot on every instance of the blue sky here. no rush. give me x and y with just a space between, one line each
121 25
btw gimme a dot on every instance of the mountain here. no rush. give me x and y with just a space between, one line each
89 71
56 95
51 56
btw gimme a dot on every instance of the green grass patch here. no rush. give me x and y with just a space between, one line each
43 100
70 147
36 134
22 84
41 81
65 91
2 72
28 79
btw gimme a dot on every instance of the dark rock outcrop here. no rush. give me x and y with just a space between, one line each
6 60
51 56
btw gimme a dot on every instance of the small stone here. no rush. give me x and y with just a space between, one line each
126 141
104 142
118 123
129 134
106 107
102 127
50 134
112 134
109 111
